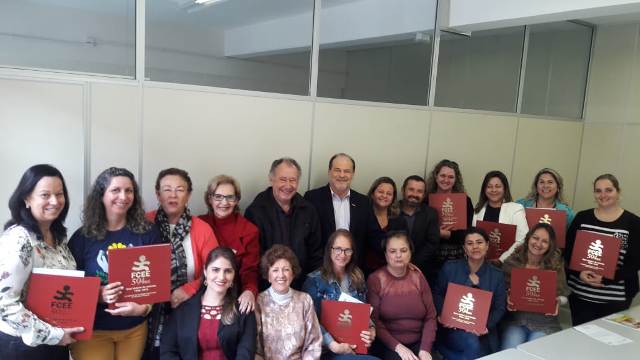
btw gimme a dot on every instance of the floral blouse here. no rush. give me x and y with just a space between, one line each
21 252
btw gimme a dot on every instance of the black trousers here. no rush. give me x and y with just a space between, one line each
12 347
583 311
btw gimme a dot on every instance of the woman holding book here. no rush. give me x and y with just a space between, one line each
473 271
210 325
495 204
287 324
403 308
446 178
339 274
383 194
539 251
113 217
34 237
546 192
191 242
593 296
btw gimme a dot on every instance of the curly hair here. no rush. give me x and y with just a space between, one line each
275 253
94 217
552 259
458 185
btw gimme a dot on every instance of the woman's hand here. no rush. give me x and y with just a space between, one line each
480 333
247 302
555 313
475 279
424 355
341 348
110 292
68 333
591 278
178 296
367 336
510 305
445 231
129 308
405 353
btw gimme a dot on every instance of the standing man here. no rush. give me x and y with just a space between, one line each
340 207
422 222
284 217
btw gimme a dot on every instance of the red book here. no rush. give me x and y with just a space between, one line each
144 271
556 218
466 308
451 208
534 290
345 321
64 301
596 252
501 237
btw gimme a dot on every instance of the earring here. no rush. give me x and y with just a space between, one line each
27 206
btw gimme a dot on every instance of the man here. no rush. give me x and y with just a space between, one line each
422 222
340 207
284 217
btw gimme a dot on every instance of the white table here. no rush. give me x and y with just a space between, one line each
510 354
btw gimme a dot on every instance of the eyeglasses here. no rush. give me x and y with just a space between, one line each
340 251
220 197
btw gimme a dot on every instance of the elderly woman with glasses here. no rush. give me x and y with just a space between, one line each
236 232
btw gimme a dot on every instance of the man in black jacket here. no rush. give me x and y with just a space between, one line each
422 222
284 217
340 207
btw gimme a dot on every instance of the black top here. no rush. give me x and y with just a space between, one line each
492 214
425 236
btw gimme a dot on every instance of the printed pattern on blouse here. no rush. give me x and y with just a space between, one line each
21 252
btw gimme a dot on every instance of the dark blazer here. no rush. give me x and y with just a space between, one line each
425 236
304 232
180 337
362 224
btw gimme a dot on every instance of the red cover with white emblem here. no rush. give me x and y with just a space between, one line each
466 308
501 237
451 208
596 252
345 321
533 290
556 218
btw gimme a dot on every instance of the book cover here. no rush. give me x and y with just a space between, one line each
466 308
596 252
534 290
451 208
556 218
345 321
501 237
64 301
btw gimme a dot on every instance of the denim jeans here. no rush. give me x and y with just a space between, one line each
456 344
514 335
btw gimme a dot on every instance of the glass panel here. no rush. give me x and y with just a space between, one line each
480 71
241 44
69 35
556 72
376 50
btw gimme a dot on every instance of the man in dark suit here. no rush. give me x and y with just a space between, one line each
340 207
422 222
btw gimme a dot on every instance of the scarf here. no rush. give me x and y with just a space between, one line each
175 238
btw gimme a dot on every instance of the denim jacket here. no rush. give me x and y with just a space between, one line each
320 289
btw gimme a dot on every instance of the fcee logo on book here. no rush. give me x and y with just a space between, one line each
495 236
62 299
447 207
533 286
466 304
546 219
594 251
344 318
140 272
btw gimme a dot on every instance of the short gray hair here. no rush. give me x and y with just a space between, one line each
284 160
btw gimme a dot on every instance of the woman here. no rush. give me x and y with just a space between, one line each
495 205
209 325
473 271
403 309
546 192
34 237
113 217
539 251
446 178
234 231
383 194
287 324
592 296
191 241
339 273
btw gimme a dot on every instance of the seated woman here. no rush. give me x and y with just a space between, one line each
287 324
383 194
209 325
339 273
496 205
113 217
403 309
609 218
539 251
473 271
446 178
191 241
235 231
546 192
34 237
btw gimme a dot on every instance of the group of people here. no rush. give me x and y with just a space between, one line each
251 286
